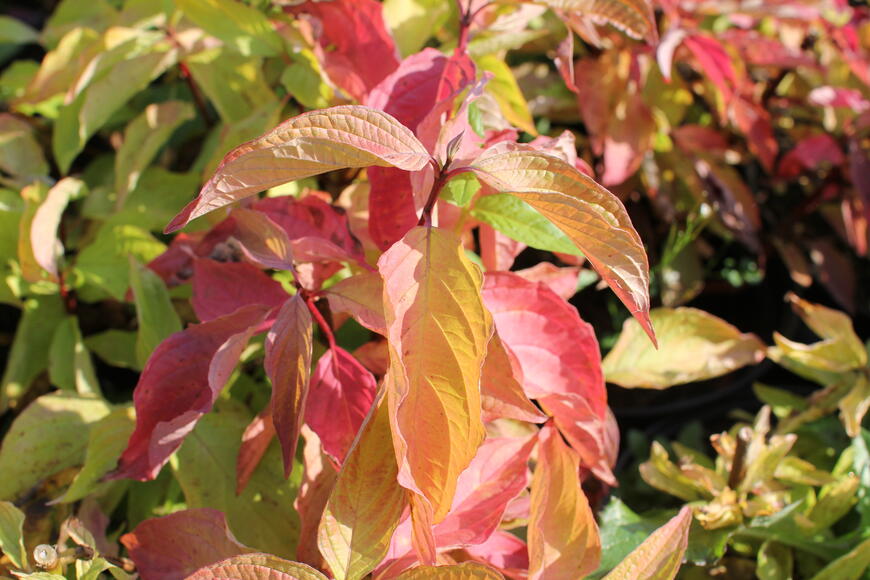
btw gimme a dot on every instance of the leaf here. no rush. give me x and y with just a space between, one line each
262 240
592 217
245 29
366 503
143 139
116 348
518 220
391 206
340 395
179 384
155 314
563 535
438 329
256 439
221 288
262 516
854 405
503 551
634 17
69 363
464 571
47 437
11 535
47 249
693 346
501 390
307 145
106 442
257 567
288 363
161 547
13 31
361 295
851 566
504 89
714 61
20 153
413 22
660 555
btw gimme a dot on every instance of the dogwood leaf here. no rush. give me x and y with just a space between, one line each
660 555
257 567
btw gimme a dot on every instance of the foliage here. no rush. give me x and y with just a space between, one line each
373 369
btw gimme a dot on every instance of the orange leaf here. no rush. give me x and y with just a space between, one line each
308 144
464 571
563 536
501 390
257 567
438 329
660 555
634 17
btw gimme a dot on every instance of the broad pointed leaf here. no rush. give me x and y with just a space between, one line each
162 547
659 556
501 388
366 503
11 534
464 571
179 384
256 439
592 217
221 288
47 249
262 240
438 330
362 296
155 315
563 535
318 480
257 567
242 27
634 17
288 364
339 398
306 145
694 346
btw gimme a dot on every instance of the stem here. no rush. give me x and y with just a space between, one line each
198 100
324 326
465 18
440 182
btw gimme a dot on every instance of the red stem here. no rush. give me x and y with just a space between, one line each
324 326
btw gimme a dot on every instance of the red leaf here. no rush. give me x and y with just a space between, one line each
180 383
340 395
697 138
754 122
358 51
811 153
162 547
255 441
714 62
557 350
391 205
288 360
221 288
497 251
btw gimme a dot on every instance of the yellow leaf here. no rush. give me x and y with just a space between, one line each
464 571
634 17
563 537
308 144
592 217
438 329
855 404
660 555
693 346
506 92
366 503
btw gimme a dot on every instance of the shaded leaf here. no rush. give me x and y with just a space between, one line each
155 314
69 363
161 547
11 534
221 288
850 566
20 153
660 555
693 345
518 220
256 439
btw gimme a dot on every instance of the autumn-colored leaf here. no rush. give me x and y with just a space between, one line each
255 441
693 346
339 398
306 145
362 296
179 384
714 61
262 240
634 17
592 217
318 479
221 288
501 390
257 567
503 551
47 249
563 535
365 504
659 556
161 547
438 331
288 363
464 571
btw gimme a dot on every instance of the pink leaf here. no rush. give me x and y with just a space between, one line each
180 383
627 140
340 395
810 153
288 360
504 551
666 49
221 288
562 281
497 251
162 547
754 122
501 390
714 62
839 97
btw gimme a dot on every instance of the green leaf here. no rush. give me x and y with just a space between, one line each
263 516
46 438
461 189
104 262
241 27
861 446
518 220
693 346
304 80
20 153
115 347
660 555
158 196
29 354
13 31
622 530
69 363
107 440
775 562
154 311
848 567
11 534
413 22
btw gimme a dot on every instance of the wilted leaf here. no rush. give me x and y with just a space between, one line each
464 571
155 314
365 504
592 217
288 364
659 556
563 535
306 145
47 437
179 384
11 534
693 346
162 547
340 396
242 27
257 567
438 330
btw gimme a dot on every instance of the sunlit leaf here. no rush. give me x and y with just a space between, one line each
306 145
242 27
850 566
634 17
360 295
504 88
855 404
257 567
693 345
518 220
464 571
659 556
438 330
593 218
501 388
221 288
